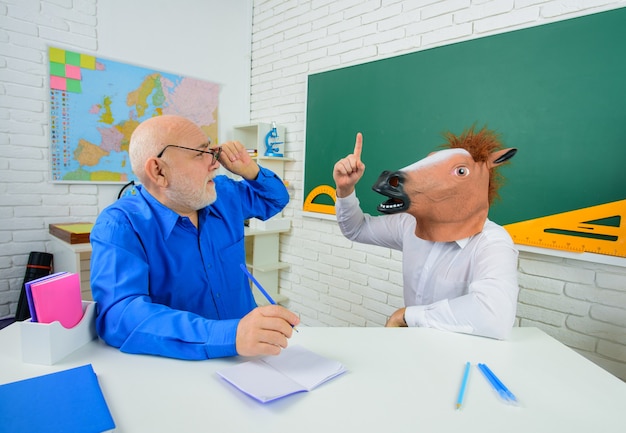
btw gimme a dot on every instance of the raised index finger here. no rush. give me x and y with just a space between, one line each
358 145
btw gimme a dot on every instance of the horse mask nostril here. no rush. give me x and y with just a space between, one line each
390 184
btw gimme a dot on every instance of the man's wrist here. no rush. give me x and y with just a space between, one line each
344 192
256 174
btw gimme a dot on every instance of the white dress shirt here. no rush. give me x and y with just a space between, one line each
468 286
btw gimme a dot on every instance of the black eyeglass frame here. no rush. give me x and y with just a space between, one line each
216 152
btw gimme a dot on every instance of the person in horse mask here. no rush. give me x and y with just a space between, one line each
459 268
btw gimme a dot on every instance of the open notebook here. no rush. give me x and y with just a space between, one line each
269 378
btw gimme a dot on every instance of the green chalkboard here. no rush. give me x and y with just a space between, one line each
557 92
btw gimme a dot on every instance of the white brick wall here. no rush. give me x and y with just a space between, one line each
581 304
332 281
27 201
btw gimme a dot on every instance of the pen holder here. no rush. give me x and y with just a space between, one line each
47 343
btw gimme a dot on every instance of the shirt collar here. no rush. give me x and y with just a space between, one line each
165 217
462 243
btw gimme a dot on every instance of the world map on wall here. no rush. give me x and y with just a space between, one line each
96 104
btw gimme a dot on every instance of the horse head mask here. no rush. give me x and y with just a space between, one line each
449 191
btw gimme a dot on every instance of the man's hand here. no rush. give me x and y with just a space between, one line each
397 319
265 330
349 170
235 158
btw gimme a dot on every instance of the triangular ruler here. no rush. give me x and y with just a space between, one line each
597 229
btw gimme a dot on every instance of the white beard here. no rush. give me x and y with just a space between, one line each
185 195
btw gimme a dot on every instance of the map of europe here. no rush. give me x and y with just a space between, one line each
96 104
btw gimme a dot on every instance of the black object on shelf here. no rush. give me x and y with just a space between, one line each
39 265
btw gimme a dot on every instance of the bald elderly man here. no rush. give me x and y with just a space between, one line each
165 264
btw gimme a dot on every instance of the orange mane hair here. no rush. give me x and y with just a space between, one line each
480 145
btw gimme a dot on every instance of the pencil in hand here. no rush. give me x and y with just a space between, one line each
261 289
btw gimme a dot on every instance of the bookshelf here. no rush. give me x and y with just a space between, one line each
263 237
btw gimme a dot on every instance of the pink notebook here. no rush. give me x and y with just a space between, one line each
58 299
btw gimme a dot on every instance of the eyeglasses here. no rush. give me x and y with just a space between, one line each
214 152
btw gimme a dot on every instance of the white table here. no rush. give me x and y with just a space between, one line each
399 380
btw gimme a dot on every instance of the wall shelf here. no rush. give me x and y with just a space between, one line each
262 237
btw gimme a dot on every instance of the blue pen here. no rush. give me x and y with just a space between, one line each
501 392
509 394
260 287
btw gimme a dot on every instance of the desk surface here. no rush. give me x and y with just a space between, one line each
399 380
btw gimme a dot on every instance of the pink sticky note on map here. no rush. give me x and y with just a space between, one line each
72 71
58 83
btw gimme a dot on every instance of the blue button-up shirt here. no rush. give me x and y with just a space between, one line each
165 288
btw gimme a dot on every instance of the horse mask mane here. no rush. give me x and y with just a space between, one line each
448 192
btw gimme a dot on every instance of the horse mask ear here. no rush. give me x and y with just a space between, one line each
501 157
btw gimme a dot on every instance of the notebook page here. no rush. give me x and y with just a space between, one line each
260 381
305 367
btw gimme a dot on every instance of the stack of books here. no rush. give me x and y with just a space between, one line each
55 297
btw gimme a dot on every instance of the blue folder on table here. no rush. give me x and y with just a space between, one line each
66 401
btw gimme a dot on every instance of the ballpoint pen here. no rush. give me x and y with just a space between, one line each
261 289
502 390
459 400
509 394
